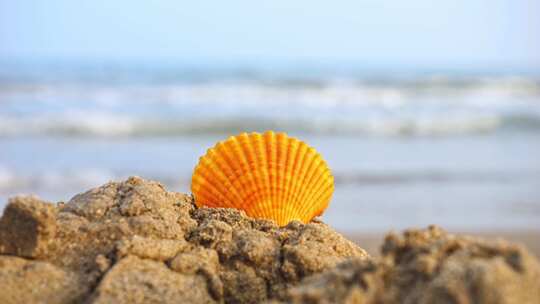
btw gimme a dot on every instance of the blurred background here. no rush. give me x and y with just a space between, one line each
427 113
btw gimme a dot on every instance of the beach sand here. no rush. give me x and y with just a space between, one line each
135 242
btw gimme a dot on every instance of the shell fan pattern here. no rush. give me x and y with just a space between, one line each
271 176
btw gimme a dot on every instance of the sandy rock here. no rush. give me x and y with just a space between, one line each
133 242
429 266
27 281
94 203
146 248
135 280
259 260
314 248
196 260
204 262
28 227
352 281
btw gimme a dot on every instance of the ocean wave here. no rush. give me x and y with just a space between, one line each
434 106
108 125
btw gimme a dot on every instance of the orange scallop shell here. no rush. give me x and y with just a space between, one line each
270 175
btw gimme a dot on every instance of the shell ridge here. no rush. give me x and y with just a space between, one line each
307 165
267 179
237 172
323 188
255 190
317 178
280 172
219 192
245 169
322 184
253 193
325 197
222 158
311 182
201 181
248 172
266 206
286 196
224 177
208 171
297 172
271 157
256 195
215 193
293 196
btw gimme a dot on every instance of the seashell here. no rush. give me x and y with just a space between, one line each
271 176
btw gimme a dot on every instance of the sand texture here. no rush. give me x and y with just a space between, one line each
429 266
134 242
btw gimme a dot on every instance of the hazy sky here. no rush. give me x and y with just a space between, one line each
483 33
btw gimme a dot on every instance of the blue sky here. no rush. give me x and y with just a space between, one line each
414 33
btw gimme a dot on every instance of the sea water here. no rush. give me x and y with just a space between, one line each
459 150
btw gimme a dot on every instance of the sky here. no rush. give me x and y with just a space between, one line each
414 33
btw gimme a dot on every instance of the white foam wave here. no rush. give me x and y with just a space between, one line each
68 123
110 125
427 107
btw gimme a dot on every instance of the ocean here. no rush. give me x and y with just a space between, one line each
407 149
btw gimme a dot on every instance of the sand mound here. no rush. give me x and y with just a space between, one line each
134 242
429 266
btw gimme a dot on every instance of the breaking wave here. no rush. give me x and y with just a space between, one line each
433 106
107 125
